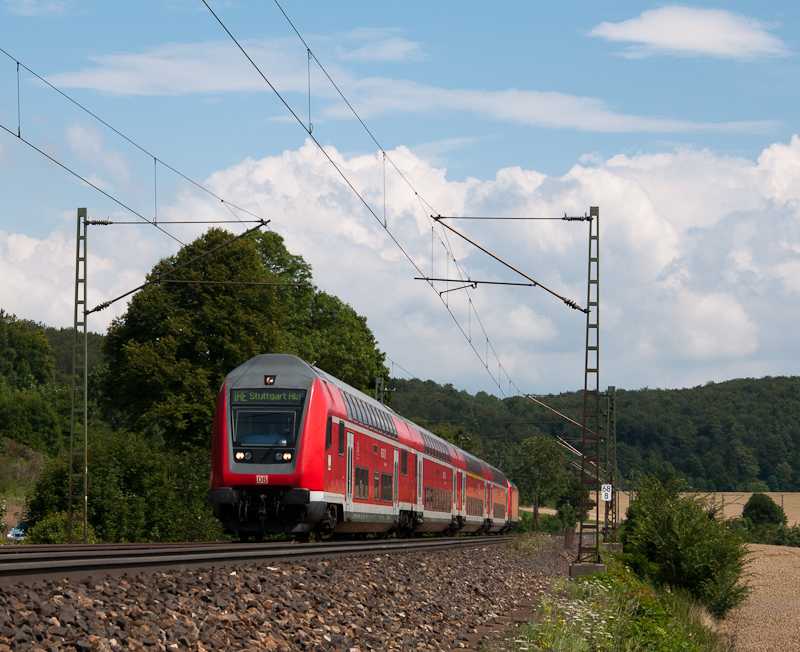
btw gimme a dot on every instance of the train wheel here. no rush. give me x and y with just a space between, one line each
243 536
259 537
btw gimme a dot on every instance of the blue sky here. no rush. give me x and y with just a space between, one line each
679 121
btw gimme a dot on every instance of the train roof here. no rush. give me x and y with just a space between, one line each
284 365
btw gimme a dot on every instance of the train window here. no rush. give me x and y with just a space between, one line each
386 487
404 463
261 427
348 405
375 448
373 423
341 438
377 493
360 412
328 437
362 483
384 422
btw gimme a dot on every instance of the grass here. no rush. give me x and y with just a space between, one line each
614 612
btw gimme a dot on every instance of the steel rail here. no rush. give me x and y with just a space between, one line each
30 563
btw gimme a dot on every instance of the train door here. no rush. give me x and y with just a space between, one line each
455 491
463 490
490 506
419 481
348 491
485 496
396 481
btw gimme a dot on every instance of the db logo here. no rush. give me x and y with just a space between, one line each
262 479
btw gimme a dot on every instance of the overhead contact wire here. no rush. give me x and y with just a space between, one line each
120 134
89 183
344 177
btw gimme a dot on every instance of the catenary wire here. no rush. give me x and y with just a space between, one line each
106 304
89 183
120 134
347 181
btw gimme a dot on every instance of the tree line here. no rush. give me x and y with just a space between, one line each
738 435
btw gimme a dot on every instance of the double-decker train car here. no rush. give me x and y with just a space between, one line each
296 450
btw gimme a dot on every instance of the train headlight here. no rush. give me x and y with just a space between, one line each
248 456
287 456
239 455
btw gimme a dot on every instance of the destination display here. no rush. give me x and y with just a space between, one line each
282 397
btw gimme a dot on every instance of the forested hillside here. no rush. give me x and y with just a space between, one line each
739 435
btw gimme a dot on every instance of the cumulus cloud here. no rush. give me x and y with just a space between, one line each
699 260
218 67
689 31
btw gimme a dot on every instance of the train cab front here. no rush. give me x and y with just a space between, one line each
260 481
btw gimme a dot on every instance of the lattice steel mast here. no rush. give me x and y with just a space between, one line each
589 540
79 427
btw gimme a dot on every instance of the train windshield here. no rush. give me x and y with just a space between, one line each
266 417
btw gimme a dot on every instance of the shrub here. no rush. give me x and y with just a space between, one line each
136 491
53 529
682 541
762 509
550 523
567 515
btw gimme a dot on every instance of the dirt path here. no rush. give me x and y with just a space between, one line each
770 619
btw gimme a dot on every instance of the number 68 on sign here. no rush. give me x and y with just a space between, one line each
605 491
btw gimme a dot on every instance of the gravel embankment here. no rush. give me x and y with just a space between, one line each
413 601
770 619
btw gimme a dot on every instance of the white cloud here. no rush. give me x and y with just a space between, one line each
382 46
699 260
35 7
218 67
185 68
689 31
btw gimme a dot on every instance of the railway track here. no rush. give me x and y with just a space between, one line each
29 563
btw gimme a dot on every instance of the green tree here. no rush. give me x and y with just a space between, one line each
24 354
682 541
762 509
169 353
29 417
541 465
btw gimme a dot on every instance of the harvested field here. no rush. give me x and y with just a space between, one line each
769 619
732 502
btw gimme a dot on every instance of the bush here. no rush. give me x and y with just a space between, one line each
525 523
567 515
762 509
550 523
137 493
682 541
53 529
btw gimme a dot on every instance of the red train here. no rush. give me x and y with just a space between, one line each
297 450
